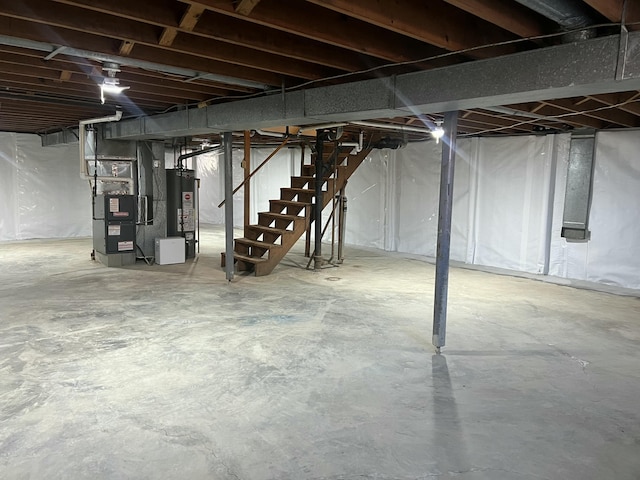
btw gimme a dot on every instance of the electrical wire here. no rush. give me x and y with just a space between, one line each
554 117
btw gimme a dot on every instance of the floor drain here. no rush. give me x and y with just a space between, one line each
333 279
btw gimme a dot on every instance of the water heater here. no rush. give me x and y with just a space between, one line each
181 208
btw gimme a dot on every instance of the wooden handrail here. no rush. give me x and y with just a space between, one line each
284 142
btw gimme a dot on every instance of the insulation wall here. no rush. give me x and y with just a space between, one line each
41 192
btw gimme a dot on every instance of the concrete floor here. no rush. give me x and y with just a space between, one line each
169 372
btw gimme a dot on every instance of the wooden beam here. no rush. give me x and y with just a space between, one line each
87 85
433 22
167 37
613 10
238 31
332 28
80 20
613 116
20 56
506 14
98 43
633 105
125 48
188 21
191 17
244 7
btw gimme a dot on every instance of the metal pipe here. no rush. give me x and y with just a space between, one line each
317 254
246 166
518 113
84 174
334 203
198 212
228 209
195 153
264 133
132 62
342 223
444 229
389 126
324 229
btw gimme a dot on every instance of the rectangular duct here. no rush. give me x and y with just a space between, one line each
577 201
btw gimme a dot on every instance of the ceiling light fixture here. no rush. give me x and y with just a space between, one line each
438 131
111 84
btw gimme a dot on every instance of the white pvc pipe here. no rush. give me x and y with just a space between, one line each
391 126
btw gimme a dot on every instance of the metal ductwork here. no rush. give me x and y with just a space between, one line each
569 14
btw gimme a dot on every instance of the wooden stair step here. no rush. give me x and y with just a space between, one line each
257 243
281 216
290 203
312 178
263 229
301 190
247 259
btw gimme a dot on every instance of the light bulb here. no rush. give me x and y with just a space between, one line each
111 85
437 133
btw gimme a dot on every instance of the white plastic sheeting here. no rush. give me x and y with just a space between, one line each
612 256
501 201
513 202
615 229
274 175
41 192
265 185
367 200
210 170
508 203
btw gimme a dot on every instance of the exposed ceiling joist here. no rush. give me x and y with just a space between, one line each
88 22
331 28
615 9
244 7
236 31
125 48
438 24
598 111
187 23
103 45
175 54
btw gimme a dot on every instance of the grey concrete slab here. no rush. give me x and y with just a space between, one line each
171 372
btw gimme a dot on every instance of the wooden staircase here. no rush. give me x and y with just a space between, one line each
266 243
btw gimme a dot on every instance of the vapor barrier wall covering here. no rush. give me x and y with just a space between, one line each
508 200
508 204
41 192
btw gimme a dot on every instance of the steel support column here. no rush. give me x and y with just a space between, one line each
444 229
317 253
247 185
228 207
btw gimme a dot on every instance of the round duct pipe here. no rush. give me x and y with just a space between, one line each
569 14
